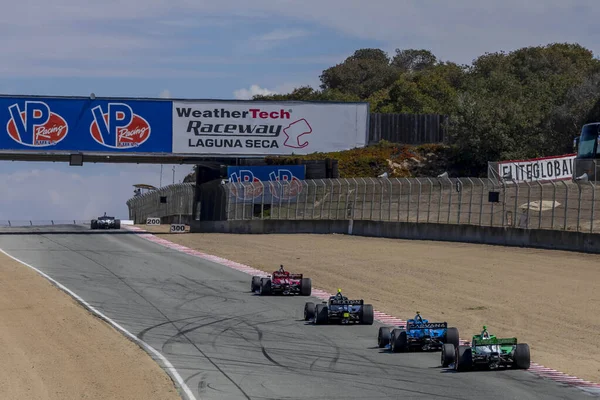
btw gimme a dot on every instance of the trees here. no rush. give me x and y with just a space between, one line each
526 103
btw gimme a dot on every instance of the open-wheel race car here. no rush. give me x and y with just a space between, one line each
488 352
281 282
105 222
419 334
339 309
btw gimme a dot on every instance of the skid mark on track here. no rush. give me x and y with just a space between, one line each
539 370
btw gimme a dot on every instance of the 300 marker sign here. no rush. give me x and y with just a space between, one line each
152 221
177 228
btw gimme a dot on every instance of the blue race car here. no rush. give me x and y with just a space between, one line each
420 334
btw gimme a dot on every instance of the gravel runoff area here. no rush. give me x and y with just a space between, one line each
546 298
53 348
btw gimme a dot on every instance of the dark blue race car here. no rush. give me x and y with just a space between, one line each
419 334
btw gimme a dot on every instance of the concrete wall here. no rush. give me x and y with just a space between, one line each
536 238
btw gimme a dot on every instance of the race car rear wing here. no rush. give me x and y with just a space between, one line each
495 341
285 276
429 325
347 302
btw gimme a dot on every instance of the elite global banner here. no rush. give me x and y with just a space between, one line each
545 169
267 128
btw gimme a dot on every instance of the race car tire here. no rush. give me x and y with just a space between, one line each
305 287
94 224
383 337
309 311
321 314
367 316
117 224
399 341
522 356
452 337
265 287
255 284
463 360
448 354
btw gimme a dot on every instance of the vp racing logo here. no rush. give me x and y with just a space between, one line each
36 125
119 127
282 184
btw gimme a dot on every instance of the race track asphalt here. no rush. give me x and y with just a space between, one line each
230 344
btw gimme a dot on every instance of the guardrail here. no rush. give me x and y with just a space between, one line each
17 223
179 202
562 205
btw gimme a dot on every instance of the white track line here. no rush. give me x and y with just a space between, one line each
539 370
168 366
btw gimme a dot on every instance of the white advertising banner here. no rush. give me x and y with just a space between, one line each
545 169
253 128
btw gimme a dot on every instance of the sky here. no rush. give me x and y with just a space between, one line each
227 49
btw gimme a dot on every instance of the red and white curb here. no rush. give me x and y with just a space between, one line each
537 369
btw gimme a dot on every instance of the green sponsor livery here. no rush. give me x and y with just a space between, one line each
487 351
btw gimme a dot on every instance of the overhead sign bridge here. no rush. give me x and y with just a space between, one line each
167 131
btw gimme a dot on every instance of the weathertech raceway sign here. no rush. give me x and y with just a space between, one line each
544 169
267 128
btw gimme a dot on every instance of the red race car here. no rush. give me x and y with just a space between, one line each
281 282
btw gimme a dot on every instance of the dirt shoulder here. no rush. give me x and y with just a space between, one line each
548 299
52 348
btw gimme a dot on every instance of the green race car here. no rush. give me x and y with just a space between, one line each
486 351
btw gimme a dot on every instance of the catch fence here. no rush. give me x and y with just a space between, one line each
562 205
172 201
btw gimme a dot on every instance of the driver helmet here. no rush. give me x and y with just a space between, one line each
485 334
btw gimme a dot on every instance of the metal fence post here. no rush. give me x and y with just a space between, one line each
362 208
312 214
380 182
541 201
419 198
429 202
355 199
280 191
236 194
471 199
390 199
440 200
566 204
504 218
399 197
324 197
481 202
408 201
592 213
578 205
252 190
449 199
553 204
372 199
528 208
459 190
492 211
337 202
262 200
